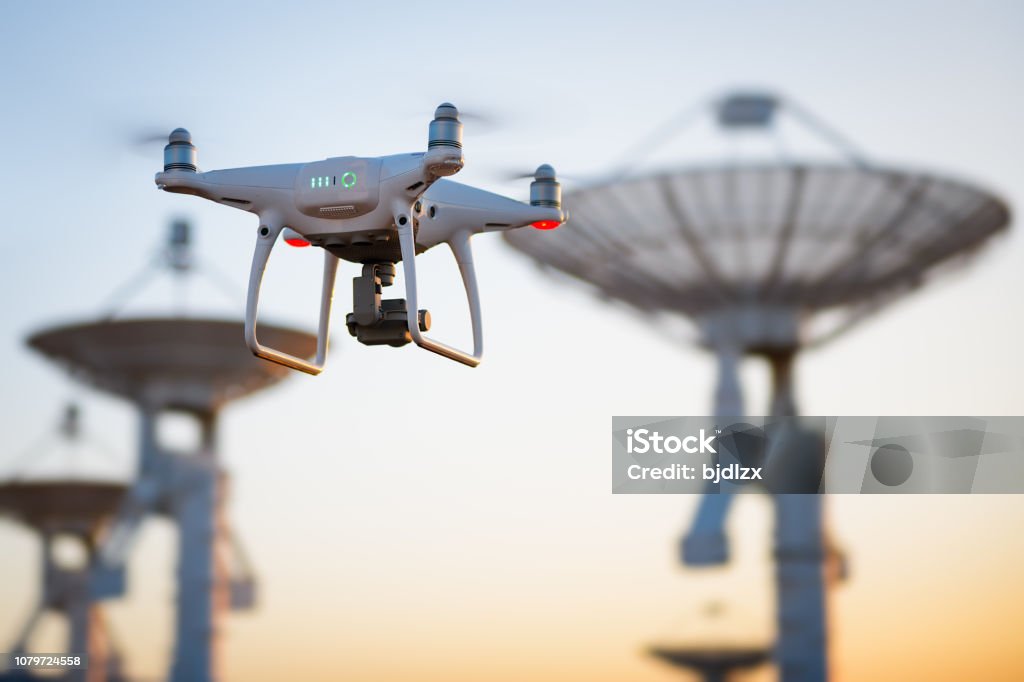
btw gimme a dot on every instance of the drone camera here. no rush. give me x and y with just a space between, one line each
444 142
376 321
180 153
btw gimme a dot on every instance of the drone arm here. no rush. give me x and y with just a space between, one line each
267 237
459 243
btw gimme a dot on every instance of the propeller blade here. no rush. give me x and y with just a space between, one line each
145 140
477 119
511 175
476 116
150 137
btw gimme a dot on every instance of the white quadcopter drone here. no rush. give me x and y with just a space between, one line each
374 211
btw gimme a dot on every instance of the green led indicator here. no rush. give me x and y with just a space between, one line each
348 180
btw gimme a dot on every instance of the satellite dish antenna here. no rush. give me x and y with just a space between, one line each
764 258
190 365
68 512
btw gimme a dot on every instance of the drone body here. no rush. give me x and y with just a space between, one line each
373 211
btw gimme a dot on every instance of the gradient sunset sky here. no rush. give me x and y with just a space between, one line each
460 526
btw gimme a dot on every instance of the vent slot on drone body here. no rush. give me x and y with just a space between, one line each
338 211
237 202
497 224
415 185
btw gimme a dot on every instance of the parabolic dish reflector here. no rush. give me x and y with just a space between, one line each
799 237
185 363
60 503
717 660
